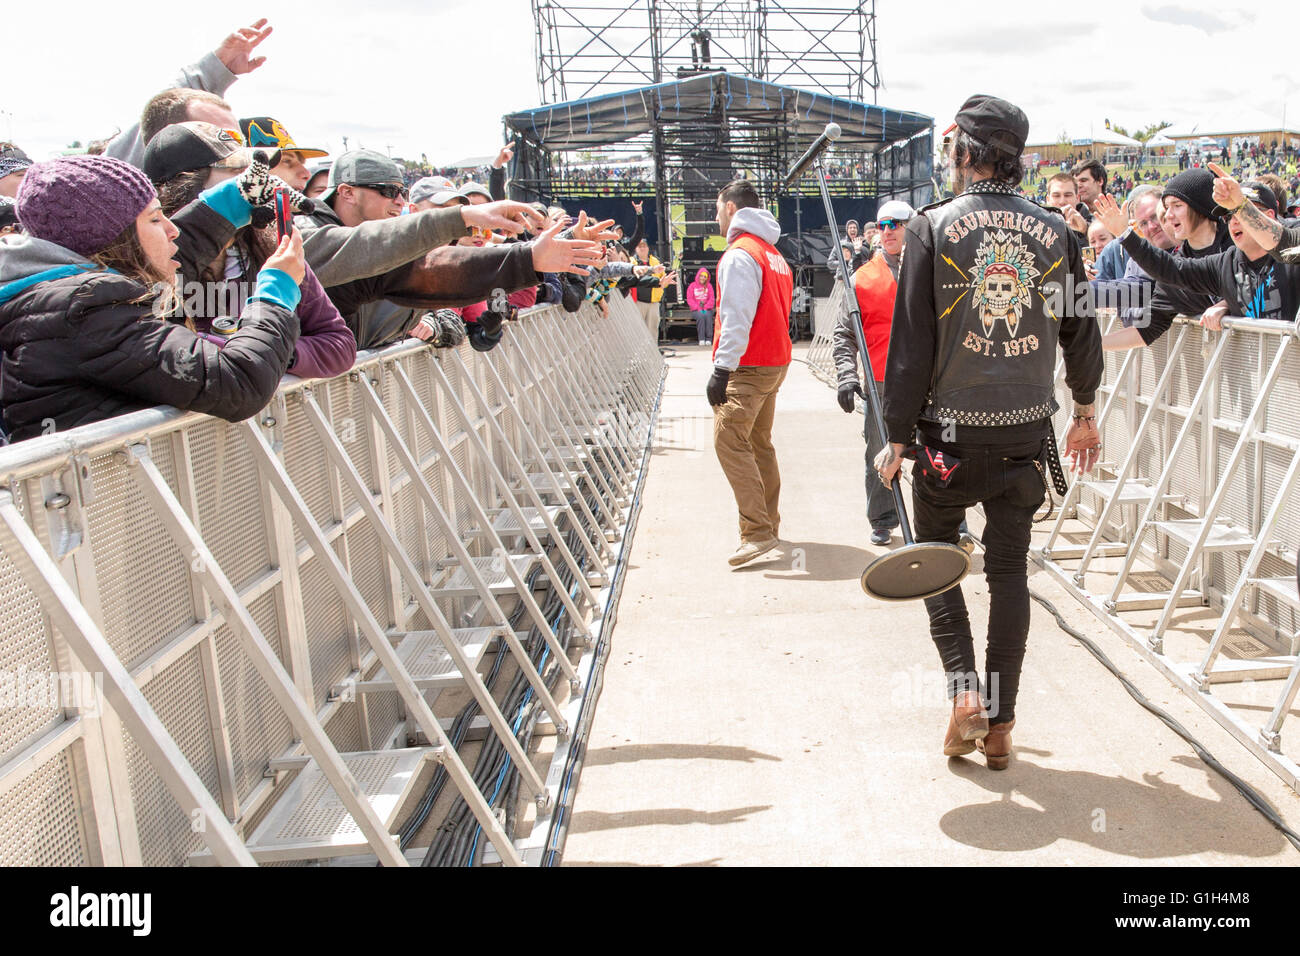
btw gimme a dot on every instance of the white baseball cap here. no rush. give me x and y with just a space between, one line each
895 209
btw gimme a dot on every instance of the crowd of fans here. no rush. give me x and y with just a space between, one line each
152 270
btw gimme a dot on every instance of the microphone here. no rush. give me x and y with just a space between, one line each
829 135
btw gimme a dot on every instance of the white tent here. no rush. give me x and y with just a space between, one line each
1081 134
1158 141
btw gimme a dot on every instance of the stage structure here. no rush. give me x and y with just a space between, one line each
589 47
665 101
677 143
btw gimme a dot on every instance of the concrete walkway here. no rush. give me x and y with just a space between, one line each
776 715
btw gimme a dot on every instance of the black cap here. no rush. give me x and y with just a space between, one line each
994 122
1260 195
185 147
8 212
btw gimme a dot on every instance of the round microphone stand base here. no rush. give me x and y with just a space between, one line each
918 570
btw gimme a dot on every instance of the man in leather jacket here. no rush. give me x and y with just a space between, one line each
990 283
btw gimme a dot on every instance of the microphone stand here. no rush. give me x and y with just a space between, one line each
917 569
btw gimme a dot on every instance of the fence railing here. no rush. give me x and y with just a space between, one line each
227 642
1184 539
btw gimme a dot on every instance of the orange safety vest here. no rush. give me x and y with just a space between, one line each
876 287
769 336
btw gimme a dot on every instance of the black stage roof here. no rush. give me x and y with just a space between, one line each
617 117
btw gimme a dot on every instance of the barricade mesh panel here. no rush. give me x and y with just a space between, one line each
305 461
344 729
351 420
406 514
167 832
327 628
1285 400
40 819
25 710
369 564
391 397
229 496
134 557
1242 374
385 713
1276 462
1240 491
257 726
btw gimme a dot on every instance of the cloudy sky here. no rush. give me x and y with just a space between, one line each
435 76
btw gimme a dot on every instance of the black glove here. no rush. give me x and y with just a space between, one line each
490 322
481 340
716 390
845 395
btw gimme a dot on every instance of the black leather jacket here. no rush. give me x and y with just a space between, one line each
990 282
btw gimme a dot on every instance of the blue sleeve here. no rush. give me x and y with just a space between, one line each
226 200
276 286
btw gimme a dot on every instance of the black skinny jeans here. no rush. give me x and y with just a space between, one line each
1005 479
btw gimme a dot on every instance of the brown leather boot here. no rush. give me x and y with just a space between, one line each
996 746
969 722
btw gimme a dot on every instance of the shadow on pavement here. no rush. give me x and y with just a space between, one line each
1145 820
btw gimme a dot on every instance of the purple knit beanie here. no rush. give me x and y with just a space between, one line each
82 203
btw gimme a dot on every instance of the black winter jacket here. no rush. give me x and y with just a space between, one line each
81 348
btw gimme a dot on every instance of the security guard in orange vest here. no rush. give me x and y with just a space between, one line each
875 283
751 354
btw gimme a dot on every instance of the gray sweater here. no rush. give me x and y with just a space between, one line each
208 74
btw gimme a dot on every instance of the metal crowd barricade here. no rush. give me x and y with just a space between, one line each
1185 542
224 643
819 357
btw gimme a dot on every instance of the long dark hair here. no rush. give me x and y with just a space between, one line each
125 255
967 150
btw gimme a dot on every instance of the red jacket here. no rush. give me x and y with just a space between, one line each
875 287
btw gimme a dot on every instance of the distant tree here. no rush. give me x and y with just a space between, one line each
1146 132
75 144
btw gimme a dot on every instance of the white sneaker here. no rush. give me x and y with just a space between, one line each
749 550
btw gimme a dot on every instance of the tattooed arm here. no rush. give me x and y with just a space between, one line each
1268 232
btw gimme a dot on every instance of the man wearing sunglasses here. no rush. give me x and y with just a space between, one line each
875 283
378 265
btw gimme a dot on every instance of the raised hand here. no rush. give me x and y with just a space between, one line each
505 216
1111 216
507 153
1227 191
597 231
551 254
636 206
235 51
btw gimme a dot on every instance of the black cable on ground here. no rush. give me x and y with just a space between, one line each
458 841
1248 793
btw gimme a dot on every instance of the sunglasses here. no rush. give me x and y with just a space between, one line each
892 223
387 190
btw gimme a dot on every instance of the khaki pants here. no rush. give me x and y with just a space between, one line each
650 313
742 437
